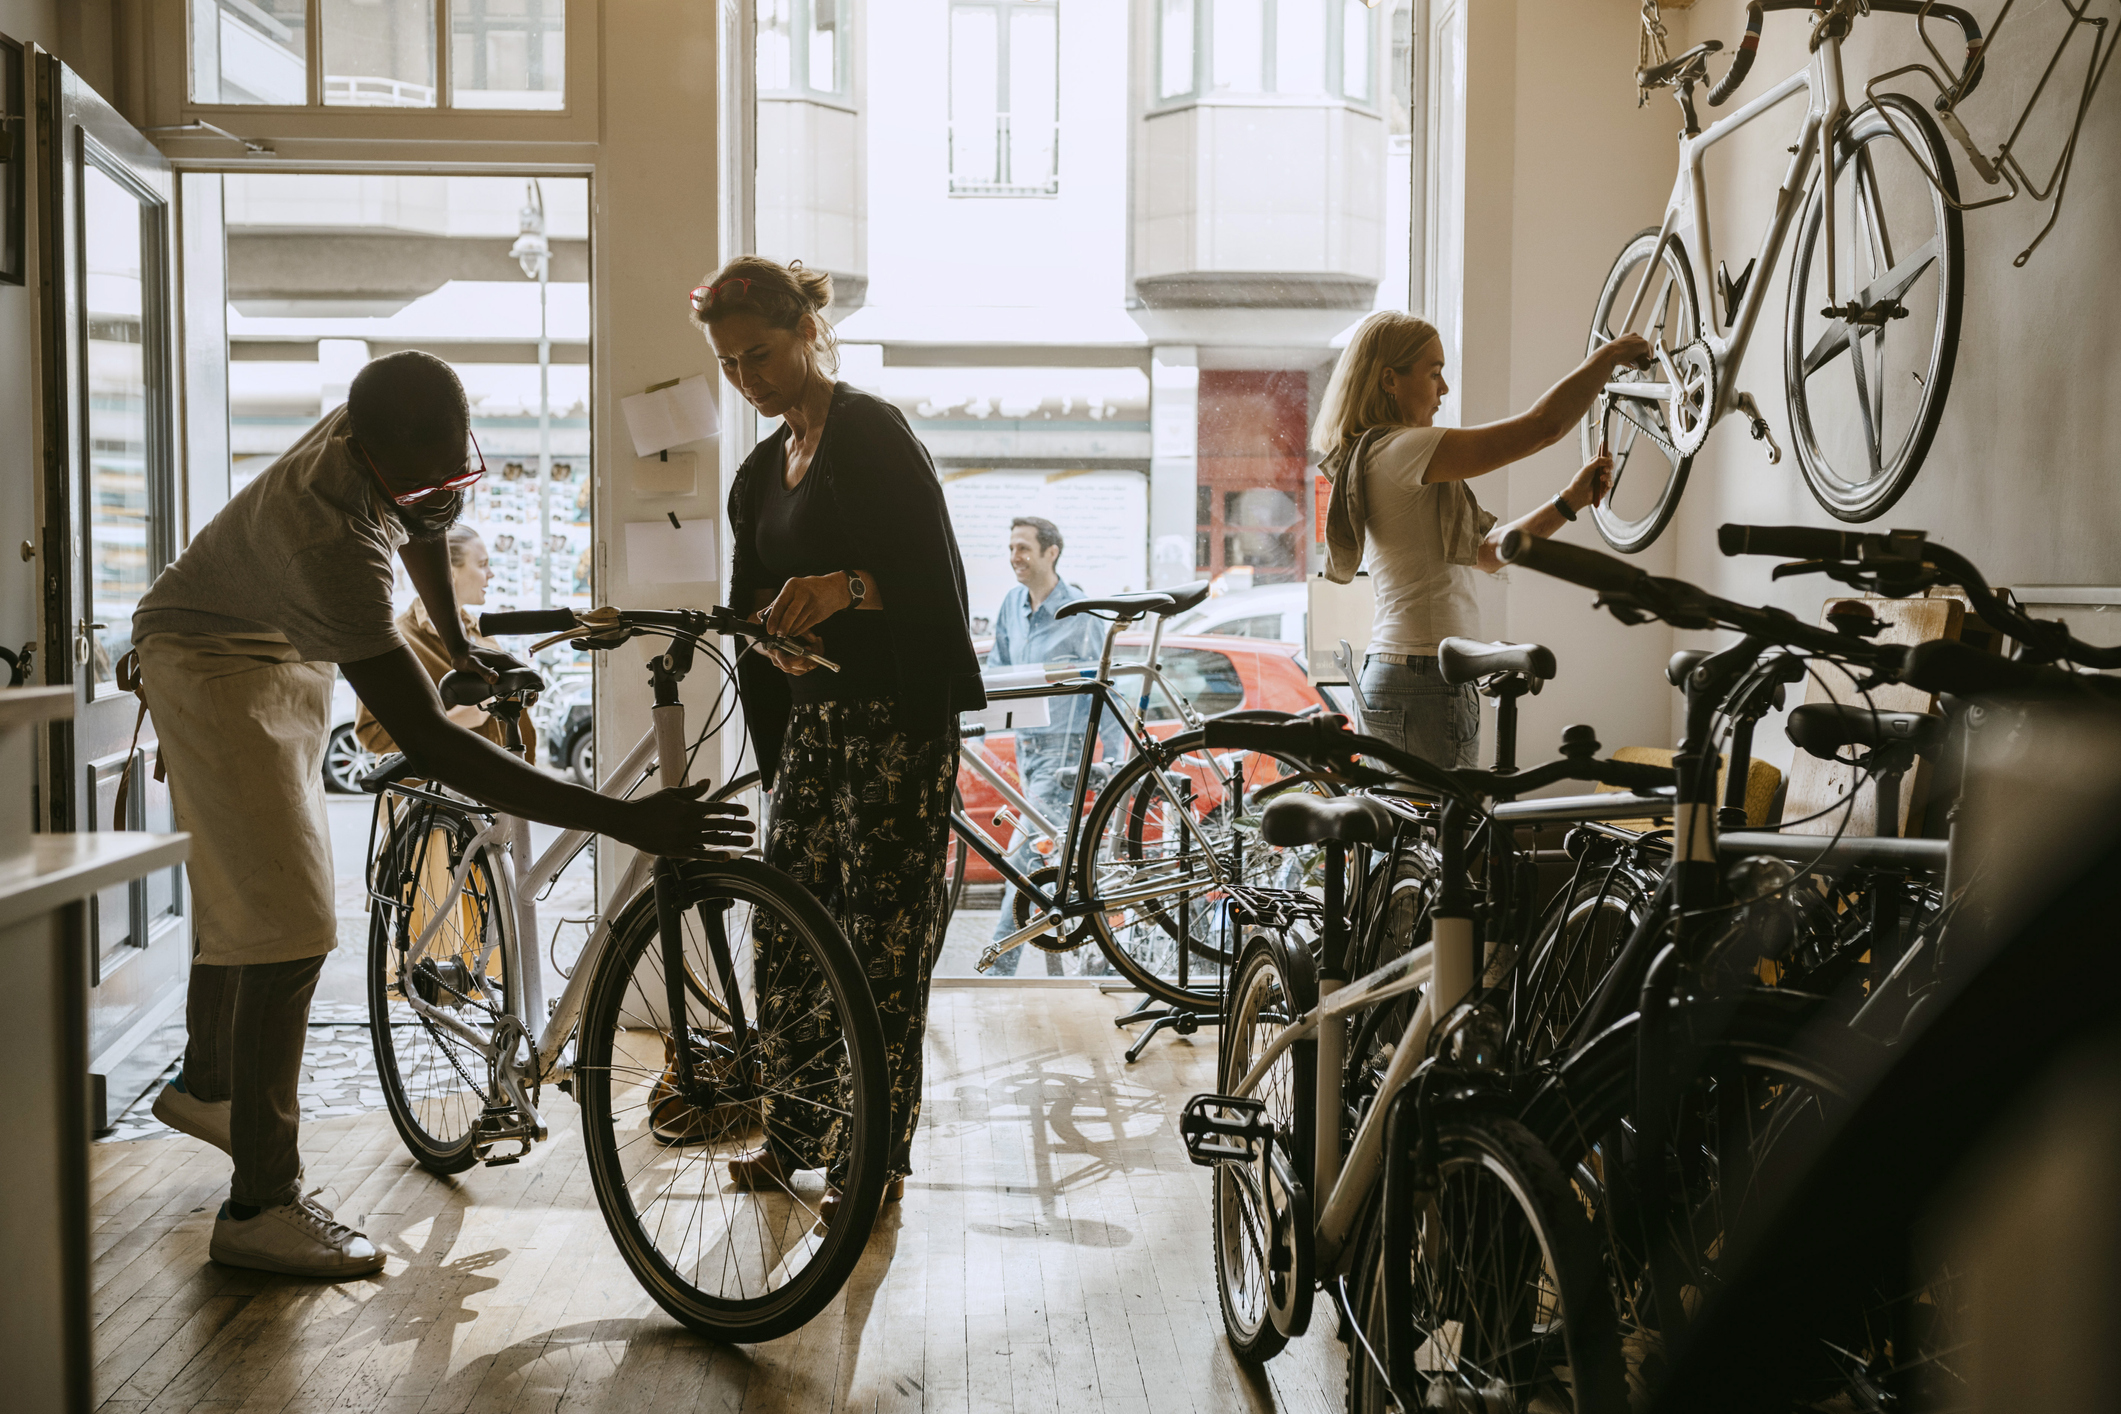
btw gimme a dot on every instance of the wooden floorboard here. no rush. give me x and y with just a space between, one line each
1051 1255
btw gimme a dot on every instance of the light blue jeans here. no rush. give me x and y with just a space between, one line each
1411 706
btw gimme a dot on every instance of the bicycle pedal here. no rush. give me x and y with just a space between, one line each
1224 1129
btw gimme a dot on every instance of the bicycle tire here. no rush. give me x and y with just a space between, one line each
1652 493
1127 844
1271 987
622 1081
1807 331
435 1085
1477 1272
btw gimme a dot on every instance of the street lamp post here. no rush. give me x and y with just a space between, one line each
534 253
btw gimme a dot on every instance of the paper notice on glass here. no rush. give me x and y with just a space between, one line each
1008 716
670 417
658 552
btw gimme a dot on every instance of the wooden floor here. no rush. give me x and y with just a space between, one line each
1051 1254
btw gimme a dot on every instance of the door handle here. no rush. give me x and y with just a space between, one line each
82 642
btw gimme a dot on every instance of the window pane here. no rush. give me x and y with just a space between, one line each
1208 680
114 302
1355 50
1300 46
1240 35
379 53
508 54
975 75
250 51
826 29
1177 67
775 55
1033 97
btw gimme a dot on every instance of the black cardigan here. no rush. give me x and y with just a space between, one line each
890 504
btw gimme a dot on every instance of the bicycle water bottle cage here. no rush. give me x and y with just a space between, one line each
1225 1129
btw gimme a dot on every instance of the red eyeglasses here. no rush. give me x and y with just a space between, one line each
414 497
704 295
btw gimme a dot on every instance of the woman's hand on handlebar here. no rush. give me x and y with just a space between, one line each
677 824
789 663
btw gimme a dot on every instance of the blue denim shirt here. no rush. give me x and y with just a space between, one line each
1025 637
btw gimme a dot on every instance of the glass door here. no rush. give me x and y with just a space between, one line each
109 384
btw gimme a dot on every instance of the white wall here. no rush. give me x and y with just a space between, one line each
1560 169
2022 475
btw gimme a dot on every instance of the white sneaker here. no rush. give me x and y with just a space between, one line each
186 1113
298 1239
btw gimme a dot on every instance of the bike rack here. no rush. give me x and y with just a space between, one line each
2004 167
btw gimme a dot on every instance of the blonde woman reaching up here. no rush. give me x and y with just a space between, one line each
1401 505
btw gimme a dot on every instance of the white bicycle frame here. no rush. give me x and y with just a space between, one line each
1728 333
662 748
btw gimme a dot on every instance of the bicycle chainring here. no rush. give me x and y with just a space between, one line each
1691 409
1047 877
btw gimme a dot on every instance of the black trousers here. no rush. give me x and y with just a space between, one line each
860 817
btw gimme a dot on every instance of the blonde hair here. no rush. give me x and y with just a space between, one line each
461 537
1355 399
782 295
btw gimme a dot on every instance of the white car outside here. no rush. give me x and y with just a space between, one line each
1270 611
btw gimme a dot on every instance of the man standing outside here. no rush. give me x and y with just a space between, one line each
237 640
1026 634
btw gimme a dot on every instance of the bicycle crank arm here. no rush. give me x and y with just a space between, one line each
1640 392
1759 424
533 1122
1000 948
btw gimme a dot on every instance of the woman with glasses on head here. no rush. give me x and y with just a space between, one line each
1401 505
840 538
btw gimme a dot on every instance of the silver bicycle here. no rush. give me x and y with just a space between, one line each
717 1006
1876 279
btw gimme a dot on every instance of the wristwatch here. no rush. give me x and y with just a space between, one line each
857 590
1561 504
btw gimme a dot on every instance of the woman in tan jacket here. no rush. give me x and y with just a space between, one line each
469 571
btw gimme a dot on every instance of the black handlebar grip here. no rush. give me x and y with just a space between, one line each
1304 737
1573 563
526 621
1742 62
1789 542
1947 666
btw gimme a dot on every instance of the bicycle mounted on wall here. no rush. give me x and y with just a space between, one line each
1885 256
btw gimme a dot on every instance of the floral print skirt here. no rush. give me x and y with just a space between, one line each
861 817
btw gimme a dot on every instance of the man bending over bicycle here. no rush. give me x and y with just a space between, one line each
237 640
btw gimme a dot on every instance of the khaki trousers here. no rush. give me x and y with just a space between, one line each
243 723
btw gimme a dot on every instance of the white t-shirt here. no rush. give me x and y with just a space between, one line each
304 551
1422 598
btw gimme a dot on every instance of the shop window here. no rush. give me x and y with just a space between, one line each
1207 680
1005 98
802 47
379 53
503 54
1296 48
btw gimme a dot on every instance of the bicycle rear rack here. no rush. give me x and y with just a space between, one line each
2004 167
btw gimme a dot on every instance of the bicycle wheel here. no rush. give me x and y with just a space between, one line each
808 1070
1488 1291
1651 453
1161 914
1865 398
1253 1270
1579 939
436 1082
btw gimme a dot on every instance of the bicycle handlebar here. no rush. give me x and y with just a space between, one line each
1325 740
526 621
1748 47
1742 62
1573 563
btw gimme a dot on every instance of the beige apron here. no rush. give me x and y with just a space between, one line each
243 724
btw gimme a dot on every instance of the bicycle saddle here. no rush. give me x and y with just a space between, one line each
461 688
1678 64
1823 728
1682 665
1308 819
1468 659
1175 600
